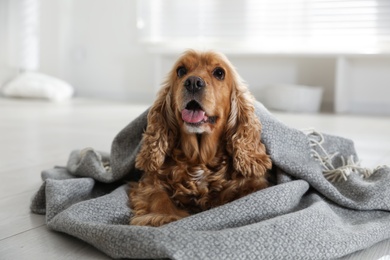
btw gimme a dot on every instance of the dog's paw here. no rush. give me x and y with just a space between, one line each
154 220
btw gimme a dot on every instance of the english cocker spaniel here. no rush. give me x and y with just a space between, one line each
202 146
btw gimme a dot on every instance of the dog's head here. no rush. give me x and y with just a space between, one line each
202 86
203 95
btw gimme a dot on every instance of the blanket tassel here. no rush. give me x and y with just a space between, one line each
331 173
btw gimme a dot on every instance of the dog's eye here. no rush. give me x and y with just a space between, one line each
181 71
219 73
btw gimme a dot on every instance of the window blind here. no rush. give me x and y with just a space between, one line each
268 25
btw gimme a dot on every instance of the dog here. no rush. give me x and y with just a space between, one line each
202 146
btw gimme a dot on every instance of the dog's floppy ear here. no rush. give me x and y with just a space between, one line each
243 133
161 130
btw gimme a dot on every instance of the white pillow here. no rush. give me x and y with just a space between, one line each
38 85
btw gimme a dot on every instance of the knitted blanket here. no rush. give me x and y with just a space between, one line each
303 216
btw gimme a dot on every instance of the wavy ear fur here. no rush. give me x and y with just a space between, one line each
160 132
243 133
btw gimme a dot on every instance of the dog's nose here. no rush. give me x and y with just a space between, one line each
194 84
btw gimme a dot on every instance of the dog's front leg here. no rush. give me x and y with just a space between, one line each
152 206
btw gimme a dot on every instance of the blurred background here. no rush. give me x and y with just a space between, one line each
296 55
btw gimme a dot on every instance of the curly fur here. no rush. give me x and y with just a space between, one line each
184 172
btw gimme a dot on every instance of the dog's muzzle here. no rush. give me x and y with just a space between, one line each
194 84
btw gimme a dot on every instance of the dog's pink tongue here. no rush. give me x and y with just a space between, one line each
192 116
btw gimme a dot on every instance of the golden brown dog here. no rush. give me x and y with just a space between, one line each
202 145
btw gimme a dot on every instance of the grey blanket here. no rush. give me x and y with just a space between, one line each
303 216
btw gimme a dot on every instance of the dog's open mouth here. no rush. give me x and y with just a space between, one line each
194 114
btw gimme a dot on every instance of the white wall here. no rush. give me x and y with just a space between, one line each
92 44
2 40
101 54
5 70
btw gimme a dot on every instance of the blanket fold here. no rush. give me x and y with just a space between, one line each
304 216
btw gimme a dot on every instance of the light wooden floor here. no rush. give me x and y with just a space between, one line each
36 135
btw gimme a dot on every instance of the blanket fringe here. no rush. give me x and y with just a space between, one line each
332 174
105 164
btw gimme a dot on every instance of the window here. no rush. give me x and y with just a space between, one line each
351 26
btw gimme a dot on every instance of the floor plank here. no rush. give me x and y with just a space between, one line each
41 243
21 179
15 215
375 252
